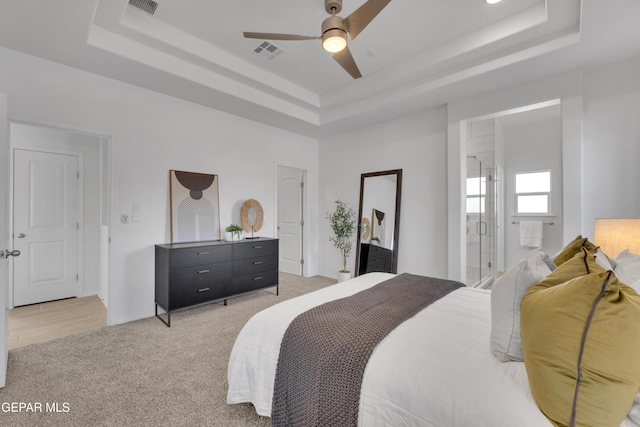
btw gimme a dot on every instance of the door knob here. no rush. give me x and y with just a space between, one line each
21 236
8 253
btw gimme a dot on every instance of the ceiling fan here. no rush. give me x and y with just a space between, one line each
334 31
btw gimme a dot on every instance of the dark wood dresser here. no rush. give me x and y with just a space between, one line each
374 258
191 274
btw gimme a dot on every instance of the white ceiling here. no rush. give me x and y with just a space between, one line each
416 54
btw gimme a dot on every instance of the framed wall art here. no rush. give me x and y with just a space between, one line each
195 214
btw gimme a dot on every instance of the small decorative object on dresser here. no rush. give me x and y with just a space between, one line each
251 216
233 233
190 274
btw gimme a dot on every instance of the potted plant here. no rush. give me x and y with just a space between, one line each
375 240
233 232
343 224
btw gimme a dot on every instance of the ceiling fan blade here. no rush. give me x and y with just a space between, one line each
361 17
277 36
346 61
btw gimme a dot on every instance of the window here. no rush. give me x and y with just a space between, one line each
476 191
533 191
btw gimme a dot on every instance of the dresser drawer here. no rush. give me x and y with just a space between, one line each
200 276
191 257
253 249
255 265
376 261
255 281
196 285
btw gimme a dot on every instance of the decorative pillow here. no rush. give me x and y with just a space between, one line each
603 260
628 267
537 258
506 294
581 340
573 248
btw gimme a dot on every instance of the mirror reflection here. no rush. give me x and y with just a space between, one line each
377 241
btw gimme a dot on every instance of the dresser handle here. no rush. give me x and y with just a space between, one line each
257 263
257 278
203 253
204 289
203 271
257 247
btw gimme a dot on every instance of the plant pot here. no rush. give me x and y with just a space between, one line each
233 237
343 275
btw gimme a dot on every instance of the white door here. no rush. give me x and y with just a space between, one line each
45 226
290 189
4 238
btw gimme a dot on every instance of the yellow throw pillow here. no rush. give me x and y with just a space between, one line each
581 341
582 263
573 248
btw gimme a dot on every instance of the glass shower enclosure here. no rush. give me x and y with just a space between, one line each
481 223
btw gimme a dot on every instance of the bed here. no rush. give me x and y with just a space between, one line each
435 369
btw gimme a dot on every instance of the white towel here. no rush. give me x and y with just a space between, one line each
531 233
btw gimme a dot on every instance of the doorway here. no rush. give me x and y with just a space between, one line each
290 218
91 222
46 209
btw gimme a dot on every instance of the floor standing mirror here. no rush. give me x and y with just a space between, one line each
379 222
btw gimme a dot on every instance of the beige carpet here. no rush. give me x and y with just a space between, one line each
141 373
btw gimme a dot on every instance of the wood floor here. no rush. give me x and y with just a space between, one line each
43 322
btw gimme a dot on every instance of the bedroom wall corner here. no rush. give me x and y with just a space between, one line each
414 143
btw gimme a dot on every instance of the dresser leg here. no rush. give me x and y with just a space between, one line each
166 322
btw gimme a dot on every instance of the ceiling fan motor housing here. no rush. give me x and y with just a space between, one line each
333 23
333 6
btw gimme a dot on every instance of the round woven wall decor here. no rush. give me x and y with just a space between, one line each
244 215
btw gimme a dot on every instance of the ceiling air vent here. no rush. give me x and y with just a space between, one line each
148 6
268 51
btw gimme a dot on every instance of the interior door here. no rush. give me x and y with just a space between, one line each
4 238
290 223
45 226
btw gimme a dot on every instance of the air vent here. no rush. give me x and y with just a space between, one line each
148 6
268 51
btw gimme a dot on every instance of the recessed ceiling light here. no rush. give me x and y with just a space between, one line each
493 1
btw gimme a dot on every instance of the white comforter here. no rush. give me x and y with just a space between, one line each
433 370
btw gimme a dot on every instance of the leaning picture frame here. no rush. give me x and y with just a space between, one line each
195 212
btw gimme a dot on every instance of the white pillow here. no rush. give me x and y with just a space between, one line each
628 268
634 413
603 261
537 259
506 295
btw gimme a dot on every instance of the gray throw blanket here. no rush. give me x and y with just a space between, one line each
325 350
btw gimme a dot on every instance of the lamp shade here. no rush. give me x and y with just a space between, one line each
614 235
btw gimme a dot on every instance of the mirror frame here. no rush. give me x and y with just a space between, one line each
396 225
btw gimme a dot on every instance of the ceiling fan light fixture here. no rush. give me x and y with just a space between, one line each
334 40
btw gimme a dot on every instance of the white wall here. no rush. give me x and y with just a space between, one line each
611 171
151 134
415 144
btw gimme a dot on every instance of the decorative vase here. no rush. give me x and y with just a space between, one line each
343 275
